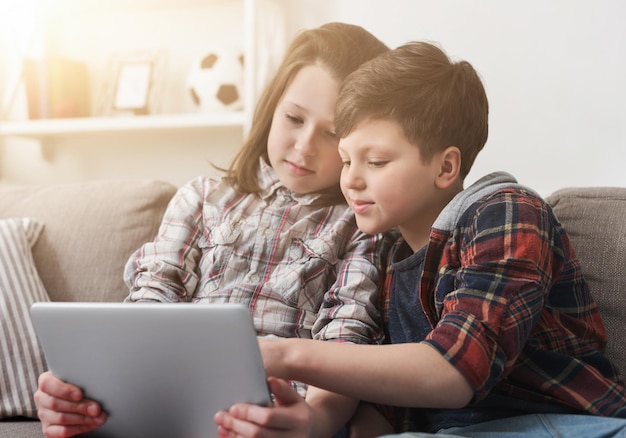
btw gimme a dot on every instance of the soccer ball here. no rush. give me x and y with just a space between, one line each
215 81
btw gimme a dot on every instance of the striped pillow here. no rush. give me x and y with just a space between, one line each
21 358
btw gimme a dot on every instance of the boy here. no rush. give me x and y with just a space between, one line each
491 324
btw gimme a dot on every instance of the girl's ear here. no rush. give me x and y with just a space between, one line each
449 167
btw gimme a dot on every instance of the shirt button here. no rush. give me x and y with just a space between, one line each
254 278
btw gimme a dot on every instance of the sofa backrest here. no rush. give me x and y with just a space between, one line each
90 230
595 219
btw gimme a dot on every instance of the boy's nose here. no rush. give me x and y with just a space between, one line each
350 178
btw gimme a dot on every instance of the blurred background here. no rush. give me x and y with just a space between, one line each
98 89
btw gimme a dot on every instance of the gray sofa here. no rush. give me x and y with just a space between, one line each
90 230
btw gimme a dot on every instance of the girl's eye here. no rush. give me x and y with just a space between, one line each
331 139
346 163
293 119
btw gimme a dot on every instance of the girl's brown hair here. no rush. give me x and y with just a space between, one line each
438 102
339 47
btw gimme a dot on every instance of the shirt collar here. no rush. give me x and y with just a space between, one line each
272 187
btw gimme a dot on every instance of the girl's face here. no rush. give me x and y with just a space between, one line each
302 145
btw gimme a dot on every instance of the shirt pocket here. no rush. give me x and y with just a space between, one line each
308 273
217 245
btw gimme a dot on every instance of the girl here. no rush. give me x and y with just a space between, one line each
274 233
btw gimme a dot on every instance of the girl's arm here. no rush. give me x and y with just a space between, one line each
368 421
165 269
62 409
330 411
320 416
350 310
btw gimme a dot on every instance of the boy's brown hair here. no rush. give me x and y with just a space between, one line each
340 47
438 102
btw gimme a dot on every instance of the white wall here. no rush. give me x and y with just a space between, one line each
554 71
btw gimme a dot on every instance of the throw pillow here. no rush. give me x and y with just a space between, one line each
21 358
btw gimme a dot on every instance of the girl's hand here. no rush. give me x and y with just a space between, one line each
62 409
290 417
368 422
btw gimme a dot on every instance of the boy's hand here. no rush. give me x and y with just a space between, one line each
273 352
290 417
62 409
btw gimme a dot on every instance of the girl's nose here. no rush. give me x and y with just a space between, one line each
305 142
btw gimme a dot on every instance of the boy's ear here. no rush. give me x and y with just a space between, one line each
449 167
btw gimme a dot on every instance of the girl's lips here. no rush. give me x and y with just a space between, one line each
297 170
360 207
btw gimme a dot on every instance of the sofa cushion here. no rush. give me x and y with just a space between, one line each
21 357
594 219
21 429
90 231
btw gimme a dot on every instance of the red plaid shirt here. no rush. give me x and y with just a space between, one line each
504 293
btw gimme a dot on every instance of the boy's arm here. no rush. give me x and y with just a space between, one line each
412 374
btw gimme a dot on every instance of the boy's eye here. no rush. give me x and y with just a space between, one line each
377 163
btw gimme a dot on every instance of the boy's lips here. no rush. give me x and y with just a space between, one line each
360 207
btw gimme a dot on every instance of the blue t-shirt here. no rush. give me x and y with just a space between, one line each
407 322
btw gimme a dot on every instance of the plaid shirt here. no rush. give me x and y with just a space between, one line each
508 306
304 270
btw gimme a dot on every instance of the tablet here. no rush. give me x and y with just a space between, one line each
159 370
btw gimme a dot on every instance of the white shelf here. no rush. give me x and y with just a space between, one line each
178 120
46 128
90 7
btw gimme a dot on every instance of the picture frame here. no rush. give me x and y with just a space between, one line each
132 88
133 84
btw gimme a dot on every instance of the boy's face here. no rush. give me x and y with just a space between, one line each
385 181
